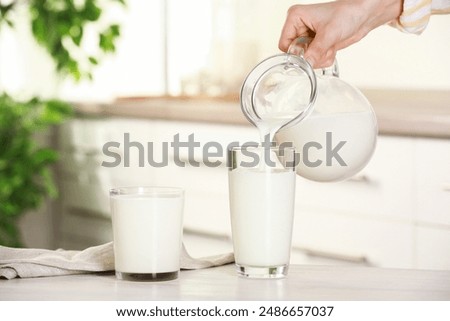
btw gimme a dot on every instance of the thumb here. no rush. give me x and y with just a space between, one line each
310 59
318 55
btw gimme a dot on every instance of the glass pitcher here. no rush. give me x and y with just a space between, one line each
330 123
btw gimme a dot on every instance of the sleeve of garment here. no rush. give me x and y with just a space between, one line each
416 14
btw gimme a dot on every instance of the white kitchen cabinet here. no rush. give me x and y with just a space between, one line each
433 181
86 135
433 248
433 203
366 219
382 190
355 239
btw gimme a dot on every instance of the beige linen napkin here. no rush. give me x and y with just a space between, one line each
28 263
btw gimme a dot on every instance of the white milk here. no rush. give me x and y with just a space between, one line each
269 125
358 129
262 210
147 233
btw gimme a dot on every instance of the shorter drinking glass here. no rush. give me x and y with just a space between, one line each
147 229
262 194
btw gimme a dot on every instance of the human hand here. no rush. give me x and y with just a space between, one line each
335 25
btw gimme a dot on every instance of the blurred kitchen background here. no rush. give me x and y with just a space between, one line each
178 67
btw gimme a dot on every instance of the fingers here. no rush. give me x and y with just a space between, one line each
299 23
325 61
293 28
288 34
317 55
320 55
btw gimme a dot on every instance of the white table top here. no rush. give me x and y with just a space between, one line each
222 283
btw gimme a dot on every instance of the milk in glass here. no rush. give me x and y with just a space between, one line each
147 232
262 207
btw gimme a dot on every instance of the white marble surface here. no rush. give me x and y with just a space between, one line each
222 283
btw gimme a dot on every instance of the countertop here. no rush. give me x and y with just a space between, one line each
399 112
304 282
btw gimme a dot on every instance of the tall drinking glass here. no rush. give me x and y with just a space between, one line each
262 194
147 227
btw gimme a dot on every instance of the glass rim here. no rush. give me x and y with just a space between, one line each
147 191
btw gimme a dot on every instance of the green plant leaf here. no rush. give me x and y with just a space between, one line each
9 23
5 9
93 60
76 33
106 42
55 111
115 30
91 11
44 156
38 28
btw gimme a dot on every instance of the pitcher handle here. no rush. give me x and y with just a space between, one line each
298 48
299 45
